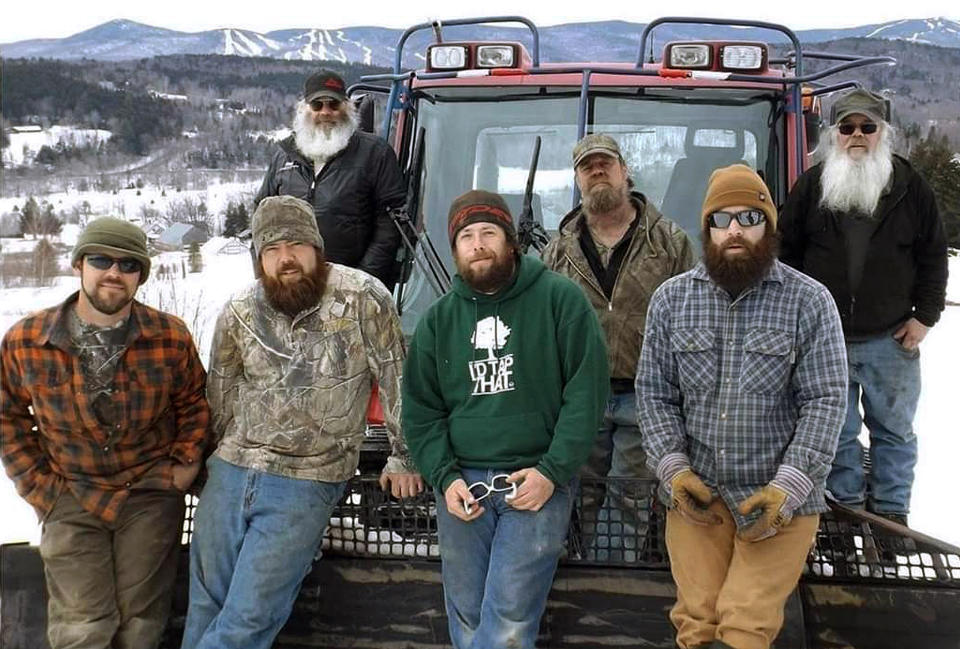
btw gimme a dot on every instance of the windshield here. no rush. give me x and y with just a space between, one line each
671 140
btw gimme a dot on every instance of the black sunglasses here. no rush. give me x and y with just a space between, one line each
745 218
126 265
318 104
866 128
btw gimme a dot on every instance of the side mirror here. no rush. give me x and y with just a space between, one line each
812 121
366 108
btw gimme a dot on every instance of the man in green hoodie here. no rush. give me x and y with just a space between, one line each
504 387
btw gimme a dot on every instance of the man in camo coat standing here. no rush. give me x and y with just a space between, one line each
293 361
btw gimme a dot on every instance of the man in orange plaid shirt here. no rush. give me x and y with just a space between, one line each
103 423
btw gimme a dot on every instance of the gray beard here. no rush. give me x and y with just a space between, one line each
317 144
601 200
849 185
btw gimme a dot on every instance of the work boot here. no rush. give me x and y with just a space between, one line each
720 644
891 545
900 519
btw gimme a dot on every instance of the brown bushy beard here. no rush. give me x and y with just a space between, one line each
493 278
292 298
736 274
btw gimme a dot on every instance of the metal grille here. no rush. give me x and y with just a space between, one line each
620 522
851 549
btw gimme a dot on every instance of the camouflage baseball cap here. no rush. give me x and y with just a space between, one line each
284 218
595 143
862 102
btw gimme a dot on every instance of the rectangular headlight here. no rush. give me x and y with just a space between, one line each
448 57
742 57
495 56
689 55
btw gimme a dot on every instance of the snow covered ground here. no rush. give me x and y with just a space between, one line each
24 146
198 297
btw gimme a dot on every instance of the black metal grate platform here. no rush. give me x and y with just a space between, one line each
620 523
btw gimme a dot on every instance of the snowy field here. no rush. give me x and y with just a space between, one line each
198 297
24 146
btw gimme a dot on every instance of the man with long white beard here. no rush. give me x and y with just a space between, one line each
740 392
865 223
291 367
350 178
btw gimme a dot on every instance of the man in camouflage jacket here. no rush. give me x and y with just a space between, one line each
619 249
292 366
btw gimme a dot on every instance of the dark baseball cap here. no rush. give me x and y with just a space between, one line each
325 84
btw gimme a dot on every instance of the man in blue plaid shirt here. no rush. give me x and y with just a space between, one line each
741 389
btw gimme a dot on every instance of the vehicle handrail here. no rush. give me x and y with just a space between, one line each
366 87
398 61
826 90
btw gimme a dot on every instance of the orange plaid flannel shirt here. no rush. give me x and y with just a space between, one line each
51 438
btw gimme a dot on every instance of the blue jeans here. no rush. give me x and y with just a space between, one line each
885 378
498 569
613 529
255 538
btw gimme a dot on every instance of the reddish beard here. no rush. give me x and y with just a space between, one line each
492 278
296 295
735 273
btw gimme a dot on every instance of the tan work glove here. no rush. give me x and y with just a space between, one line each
691 498
774 513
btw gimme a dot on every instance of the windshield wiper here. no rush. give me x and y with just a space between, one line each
530 231
411 233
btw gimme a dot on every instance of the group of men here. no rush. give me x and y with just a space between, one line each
730 380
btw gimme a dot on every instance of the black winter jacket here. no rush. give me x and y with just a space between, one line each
351 200
905 271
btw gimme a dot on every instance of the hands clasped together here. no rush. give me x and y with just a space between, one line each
692 499
529 490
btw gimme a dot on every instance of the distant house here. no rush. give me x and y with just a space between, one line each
155 229
25 129
179 236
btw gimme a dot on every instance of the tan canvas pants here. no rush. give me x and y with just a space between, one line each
110 584
731 590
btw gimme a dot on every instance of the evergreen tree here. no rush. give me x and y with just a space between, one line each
30 218
940 166
237 220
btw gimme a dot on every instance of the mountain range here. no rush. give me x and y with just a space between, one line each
118 40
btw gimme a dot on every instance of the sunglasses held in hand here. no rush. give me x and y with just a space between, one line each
480 490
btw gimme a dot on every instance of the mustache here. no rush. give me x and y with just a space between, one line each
290 264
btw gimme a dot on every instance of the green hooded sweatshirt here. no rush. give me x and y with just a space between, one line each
508 381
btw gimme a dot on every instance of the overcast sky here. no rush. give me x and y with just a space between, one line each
59 18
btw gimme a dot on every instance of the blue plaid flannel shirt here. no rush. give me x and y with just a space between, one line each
743 390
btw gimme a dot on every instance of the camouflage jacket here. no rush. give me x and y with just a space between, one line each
659 250
289 396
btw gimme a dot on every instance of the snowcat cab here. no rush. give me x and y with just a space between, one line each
490 114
